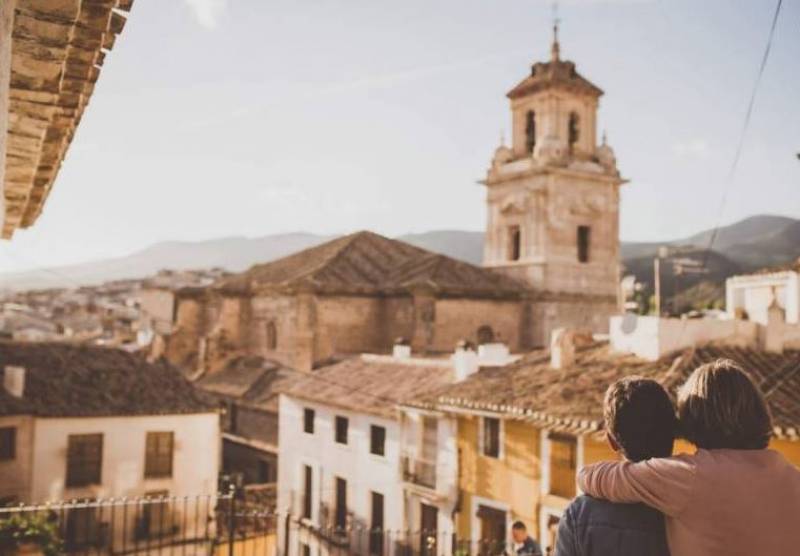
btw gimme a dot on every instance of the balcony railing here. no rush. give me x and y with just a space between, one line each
419 471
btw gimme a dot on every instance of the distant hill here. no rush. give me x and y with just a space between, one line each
755 242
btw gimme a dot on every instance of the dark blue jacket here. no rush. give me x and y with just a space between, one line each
592 527
529 548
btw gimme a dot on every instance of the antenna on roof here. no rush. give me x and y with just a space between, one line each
555 48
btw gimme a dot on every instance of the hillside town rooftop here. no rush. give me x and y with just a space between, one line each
571 399
65 380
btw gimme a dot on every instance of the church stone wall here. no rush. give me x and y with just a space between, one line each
281 312
350 324
458 319
582 314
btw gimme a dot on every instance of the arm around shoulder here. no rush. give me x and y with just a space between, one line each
665 484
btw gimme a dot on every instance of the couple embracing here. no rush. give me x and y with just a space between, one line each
734 496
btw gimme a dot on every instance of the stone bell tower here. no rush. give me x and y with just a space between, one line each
553 201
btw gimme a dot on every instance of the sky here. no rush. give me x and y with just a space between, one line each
218 118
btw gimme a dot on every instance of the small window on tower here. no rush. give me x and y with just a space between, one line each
584 240
514 243
574 130
530 131
272 336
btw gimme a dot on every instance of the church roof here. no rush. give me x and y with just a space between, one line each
368 263
556 73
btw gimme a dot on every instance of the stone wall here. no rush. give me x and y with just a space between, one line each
590 314
458 319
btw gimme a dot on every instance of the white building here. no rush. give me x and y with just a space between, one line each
92 423
344 458
751 295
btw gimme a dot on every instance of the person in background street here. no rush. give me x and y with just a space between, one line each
640 424
734 496
524 545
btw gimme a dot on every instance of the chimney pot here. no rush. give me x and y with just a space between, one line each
562 348
14 380
401 349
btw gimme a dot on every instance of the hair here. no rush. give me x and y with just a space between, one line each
640 418
720 407
518 525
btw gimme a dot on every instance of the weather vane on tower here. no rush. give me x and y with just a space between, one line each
554 50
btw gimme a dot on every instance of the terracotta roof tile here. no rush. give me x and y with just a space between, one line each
65 380
365 262
571 398
371 384
554 74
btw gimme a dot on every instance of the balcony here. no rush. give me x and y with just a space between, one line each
419 471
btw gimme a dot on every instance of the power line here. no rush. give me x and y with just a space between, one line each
742 135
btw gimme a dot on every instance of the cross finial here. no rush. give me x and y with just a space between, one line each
555 49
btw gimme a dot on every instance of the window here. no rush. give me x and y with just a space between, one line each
377 440
272 336
341 429
574 130
8 443
530 131
306 549
485 335
341 504
307 491
563 464
265 472
584 240
308 420
376 525
491 437
158 455
514 243
84 459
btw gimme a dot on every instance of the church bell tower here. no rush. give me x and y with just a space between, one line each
553 200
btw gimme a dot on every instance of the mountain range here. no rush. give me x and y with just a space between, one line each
753 243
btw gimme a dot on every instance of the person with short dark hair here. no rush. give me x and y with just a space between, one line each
640 424
734 496
524 545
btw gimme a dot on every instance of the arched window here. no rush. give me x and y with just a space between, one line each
272 336
574 130
485 335
530 130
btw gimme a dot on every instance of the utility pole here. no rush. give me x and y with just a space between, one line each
662 253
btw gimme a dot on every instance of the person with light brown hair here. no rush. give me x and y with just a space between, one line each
734 496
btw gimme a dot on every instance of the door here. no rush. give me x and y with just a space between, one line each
492 531
429 518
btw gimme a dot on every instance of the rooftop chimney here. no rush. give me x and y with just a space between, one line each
14 380
774 329
401 349
465 361
562 348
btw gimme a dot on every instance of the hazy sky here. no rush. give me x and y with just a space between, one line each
251 117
